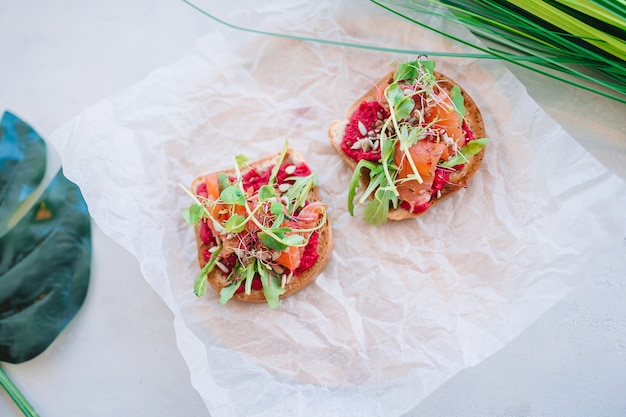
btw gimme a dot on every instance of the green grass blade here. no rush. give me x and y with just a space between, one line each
523 41
573 26
598 12
337 43
18 398
610 73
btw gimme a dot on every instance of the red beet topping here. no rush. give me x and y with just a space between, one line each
206 235
469 135
416 209
366 114
442 177
201 190
310 255
256 285
302 170
255 179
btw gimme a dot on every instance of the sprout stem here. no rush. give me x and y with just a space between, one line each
15 394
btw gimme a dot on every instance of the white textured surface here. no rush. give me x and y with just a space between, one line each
119 355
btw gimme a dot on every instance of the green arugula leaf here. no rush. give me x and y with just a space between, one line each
199 286
466 152
457 100
272 288
376 210
299 190
387 150
249 272
226 293
355 183
279 161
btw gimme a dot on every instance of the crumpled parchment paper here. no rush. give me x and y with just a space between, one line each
401 307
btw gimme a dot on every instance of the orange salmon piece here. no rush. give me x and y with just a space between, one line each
290 257
212 186
425 156
309 215
447 119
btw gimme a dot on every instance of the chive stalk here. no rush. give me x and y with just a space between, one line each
18 398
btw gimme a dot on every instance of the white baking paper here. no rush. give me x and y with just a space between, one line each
401 307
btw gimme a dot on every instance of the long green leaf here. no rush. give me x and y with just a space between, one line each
553 50
573 26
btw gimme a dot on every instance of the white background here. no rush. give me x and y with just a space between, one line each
119 355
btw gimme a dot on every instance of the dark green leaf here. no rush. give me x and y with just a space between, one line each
44 261
22 164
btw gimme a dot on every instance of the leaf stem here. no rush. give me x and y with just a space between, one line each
15 394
